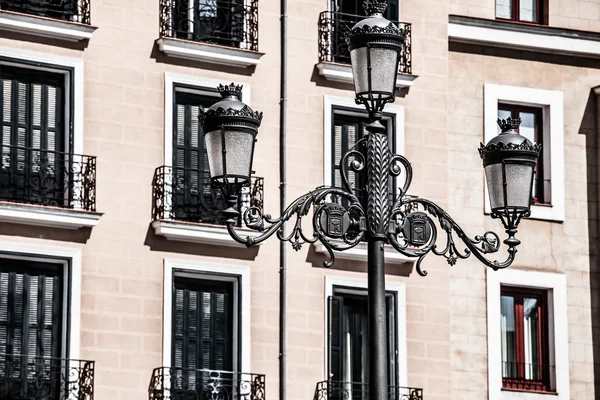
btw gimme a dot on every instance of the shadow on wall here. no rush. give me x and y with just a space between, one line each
590 125
40 232
158 243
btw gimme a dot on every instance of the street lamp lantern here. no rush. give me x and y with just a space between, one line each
375 46
509 161
230 128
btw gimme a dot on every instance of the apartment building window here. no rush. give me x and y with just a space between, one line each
204 329
348 127
530 11
525 340
348 341
532 128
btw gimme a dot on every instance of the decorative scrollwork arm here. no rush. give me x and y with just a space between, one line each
336 226
414 233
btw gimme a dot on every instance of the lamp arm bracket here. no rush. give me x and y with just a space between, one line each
338 227
413 233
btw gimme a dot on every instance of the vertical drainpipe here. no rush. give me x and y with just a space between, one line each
282 202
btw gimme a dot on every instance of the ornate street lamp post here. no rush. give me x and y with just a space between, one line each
406 222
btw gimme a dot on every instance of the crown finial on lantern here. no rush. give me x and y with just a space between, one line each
231 90
374 6
509 124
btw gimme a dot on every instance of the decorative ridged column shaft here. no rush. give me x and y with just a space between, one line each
378 166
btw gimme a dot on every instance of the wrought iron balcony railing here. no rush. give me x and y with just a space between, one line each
36 378
65 10
231 23
49 178
183 194
187 384
335 390
333 28
527 377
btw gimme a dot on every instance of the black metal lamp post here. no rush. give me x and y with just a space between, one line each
406 222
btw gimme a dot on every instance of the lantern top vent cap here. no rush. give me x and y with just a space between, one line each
509 143
230 109
373 7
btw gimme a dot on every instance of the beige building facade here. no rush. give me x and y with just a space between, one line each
103 182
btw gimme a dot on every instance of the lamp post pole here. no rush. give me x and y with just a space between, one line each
378 213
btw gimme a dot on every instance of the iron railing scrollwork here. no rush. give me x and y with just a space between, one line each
30 377
187 384
48 178
184 194
66 10
335 390
231 23
531 377
333 28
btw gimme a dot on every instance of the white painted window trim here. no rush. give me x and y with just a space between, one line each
173 79
71 325
556 284
532 41
399 289
76 64
211 271
552 103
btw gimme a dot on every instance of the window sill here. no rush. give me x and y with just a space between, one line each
199 233
45 27
359 253
522 36
336 72
53 217
209 53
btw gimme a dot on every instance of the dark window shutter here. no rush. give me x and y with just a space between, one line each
202 327
335 307
30 308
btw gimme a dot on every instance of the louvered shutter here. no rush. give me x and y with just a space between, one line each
30 309
190 161
335 307
347 130
32 136
202 327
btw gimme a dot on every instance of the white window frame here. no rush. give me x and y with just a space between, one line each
399 290
71 259
551 102
556 285
174 79
210 271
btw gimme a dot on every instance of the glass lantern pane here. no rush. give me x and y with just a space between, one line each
214 150
385 68
358 59
493 175
239 146
519 179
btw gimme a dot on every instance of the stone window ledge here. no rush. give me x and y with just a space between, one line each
520 36
53 217
199 233
343 73
45 27
209 53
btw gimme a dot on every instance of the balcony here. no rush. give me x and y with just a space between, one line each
333 390
185 384
527 377
186 208
334 57
221 32
47 188
36 378
58 19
